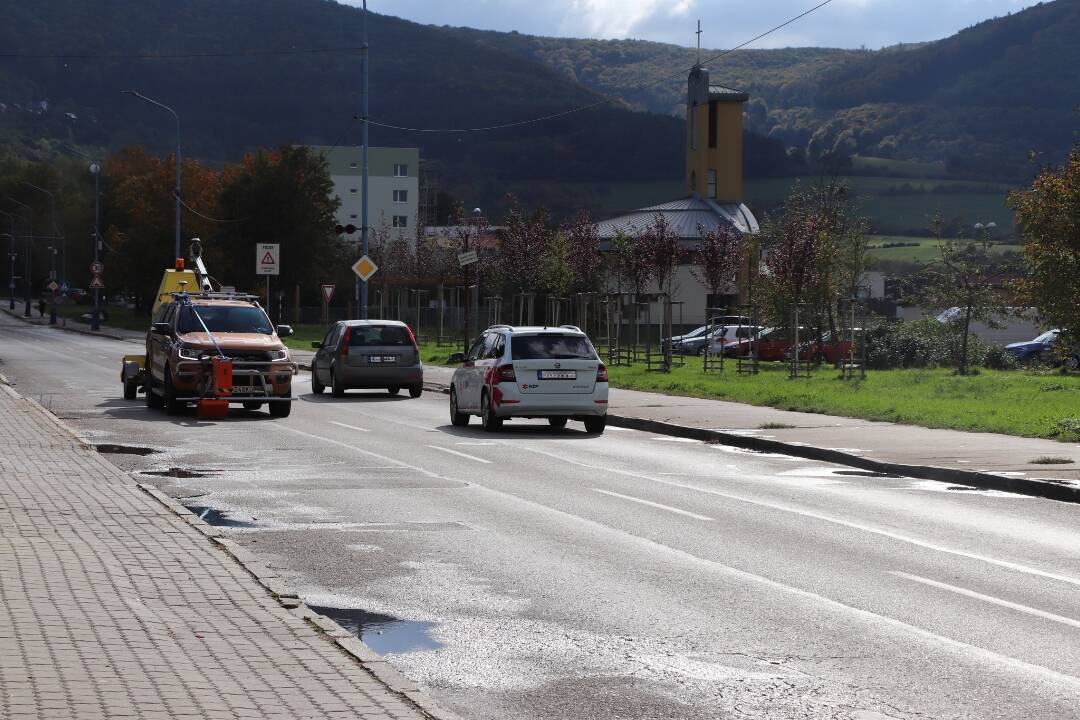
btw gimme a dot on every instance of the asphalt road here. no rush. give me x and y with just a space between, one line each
544 573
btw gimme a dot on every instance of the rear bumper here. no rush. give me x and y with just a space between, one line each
380 377
510 403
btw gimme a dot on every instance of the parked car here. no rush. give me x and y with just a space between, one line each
77 295
530 372
1041 350
729 334
692 343
772 344
367 354
830 351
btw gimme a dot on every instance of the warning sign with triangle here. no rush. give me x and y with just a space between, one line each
266 259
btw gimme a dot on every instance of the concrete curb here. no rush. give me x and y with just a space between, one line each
287 596
65 328
972 478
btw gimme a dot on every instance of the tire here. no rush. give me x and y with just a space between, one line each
131 390
557 422
316 385
252 405
336 388
393 389
281 409
457 419
416 391
595 425
153 400
172 405
490 421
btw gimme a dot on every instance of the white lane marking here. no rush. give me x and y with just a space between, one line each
818 516
989 599
350 427
460 454
687 513
479 444
676 439
369 453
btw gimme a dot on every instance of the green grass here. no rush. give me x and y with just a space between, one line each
926 250
115 316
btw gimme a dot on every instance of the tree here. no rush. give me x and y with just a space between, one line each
1048 214
523 246
585 258
959 283
718 256
465 234
556 272
663 249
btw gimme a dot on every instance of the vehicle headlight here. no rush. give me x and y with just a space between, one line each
188 353
278 354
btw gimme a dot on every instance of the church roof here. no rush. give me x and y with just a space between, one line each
719 92
685 215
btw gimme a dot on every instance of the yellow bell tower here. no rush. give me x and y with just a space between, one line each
714 125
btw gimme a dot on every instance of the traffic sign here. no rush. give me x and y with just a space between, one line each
64 287
97 267
327 292
96 283
467 258
266 259
364 268
53 286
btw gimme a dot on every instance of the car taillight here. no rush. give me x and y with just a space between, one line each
601 374
505 373
412 338
345 338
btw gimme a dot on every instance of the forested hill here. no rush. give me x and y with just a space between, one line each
979 100
249 78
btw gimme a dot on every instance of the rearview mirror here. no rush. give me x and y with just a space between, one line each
456 358
284 330
316 345
161 327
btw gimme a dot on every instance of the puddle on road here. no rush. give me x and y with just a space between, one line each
866 473
218 518
382 633
180 473
124 449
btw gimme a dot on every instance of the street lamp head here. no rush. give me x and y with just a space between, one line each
476 212
94 168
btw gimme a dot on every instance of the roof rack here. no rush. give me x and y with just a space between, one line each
501 326
216 295
571 327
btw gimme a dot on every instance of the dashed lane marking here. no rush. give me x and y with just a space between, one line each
349 427
460 454
658 506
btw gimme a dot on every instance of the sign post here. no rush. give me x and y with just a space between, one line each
266 263
327 296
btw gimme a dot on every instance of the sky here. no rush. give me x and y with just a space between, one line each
725 23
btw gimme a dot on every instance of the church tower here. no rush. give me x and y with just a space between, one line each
714 124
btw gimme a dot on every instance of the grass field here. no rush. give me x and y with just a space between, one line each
926 249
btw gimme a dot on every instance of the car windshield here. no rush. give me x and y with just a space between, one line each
1046 337
695 333
551 346
225 318
362 335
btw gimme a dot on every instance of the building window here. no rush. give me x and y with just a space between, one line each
713 119
352 217
352 190
401 221
712 184
352 165
401 170
401 196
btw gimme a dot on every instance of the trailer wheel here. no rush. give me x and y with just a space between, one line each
131 389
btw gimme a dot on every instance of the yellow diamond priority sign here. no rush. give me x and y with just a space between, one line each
365 268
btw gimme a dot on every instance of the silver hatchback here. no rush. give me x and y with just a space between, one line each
367 354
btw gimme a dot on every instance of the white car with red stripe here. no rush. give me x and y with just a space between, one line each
530 372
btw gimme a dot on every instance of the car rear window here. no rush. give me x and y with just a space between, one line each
367 335
224 318
552 346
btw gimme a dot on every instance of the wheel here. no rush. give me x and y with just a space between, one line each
172 405
595 425
281 409
316 385
336 388
153 400
457 419
701 352
252 405
131 390
557 422
393 389
489 419
416 391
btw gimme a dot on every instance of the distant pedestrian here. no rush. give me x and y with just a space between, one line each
41 306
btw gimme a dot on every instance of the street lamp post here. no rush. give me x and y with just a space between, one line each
11 277
176 190
364 140
95 170
52 277
56 230
29 252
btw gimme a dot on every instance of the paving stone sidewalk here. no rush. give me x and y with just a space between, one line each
112 606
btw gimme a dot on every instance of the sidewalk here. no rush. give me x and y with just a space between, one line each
112 604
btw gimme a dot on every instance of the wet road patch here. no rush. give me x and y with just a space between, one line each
180 473
114 449
866 473
382 633
218 518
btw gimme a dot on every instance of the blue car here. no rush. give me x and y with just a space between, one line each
1038 350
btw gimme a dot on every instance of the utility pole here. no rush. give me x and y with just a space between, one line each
364 140
95 170
11 276
29 252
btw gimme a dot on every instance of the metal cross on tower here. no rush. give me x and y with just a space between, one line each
698 33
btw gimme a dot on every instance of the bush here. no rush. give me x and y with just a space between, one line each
997 359
920 344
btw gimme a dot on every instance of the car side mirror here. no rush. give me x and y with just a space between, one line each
284 330
316 345
161 327
457 358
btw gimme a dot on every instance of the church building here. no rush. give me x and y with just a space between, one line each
714 189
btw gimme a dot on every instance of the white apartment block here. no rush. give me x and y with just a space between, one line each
393 186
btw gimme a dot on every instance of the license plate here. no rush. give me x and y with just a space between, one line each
558 374
382 359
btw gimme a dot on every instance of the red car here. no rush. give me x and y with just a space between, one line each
775 344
